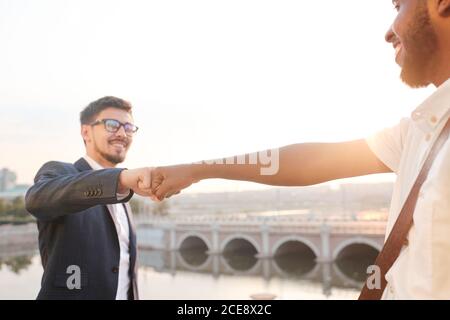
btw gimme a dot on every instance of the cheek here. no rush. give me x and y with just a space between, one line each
403 20
102 141
398 27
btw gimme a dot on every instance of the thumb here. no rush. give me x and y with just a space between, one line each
162 190
145 179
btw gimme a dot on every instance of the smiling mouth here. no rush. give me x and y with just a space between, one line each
398 49
119 144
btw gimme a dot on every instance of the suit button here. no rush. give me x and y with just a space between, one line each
115 269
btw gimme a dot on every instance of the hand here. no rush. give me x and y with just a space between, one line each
139 180
170 180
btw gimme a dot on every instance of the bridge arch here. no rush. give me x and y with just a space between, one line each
194 235
345 279
251 271
185 264
311 274
237 236
355 240
300 239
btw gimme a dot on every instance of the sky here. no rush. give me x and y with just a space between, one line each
207 79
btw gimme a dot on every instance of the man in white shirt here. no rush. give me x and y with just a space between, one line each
86 233
420 35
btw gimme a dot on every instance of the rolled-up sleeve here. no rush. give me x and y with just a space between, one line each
387 144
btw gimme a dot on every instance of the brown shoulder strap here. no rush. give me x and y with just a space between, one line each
399 232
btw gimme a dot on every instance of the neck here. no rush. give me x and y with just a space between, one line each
100 160
441 72
441 76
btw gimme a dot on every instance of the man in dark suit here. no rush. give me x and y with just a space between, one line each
87 239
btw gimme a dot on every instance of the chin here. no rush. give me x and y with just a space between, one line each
414 81
115 158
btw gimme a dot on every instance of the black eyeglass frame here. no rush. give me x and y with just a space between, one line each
121 124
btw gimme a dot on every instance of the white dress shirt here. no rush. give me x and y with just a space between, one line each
422 268
119 217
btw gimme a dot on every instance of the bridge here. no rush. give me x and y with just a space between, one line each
266 236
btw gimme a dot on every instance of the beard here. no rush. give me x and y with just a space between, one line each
112 158
116 159
421 46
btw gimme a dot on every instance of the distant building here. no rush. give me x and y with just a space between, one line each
7 180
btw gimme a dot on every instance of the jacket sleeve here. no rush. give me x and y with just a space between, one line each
59 190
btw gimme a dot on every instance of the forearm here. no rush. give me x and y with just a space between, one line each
53 196
296 165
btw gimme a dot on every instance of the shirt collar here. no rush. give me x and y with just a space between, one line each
434 109
94 164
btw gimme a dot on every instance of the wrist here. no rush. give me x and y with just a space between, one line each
123 186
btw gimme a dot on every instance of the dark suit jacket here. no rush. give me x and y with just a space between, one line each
76 228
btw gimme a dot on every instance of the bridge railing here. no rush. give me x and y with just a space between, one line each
281 224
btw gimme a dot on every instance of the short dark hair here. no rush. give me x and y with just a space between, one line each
94 108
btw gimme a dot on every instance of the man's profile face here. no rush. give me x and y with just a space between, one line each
414 40
111 147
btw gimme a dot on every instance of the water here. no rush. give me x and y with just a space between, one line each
192 274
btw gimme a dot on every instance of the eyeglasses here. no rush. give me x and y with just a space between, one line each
112 125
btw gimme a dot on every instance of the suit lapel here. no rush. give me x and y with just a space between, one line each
82 165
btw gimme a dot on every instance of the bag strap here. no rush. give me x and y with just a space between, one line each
398 235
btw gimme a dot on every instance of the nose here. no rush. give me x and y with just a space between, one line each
121 132
390 35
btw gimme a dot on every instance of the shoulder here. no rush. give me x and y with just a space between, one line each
56 168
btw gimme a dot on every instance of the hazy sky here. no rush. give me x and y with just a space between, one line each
207 78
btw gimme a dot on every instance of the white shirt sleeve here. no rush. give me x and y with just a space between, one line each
121 196
387 144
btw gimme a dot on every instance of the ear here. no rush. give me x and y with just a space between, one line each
443 7
85 134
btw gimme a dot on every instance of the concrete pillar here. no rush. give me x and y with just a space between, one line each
215 243
172 237
173 262
266 268
326 278
265 245
325 240
216 265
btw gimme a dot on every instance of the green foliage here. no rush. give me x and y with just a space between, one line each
12 211
17 264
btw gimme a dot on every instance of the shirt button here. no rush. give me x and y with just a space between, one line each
115 269
416 115
391 290
428 137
